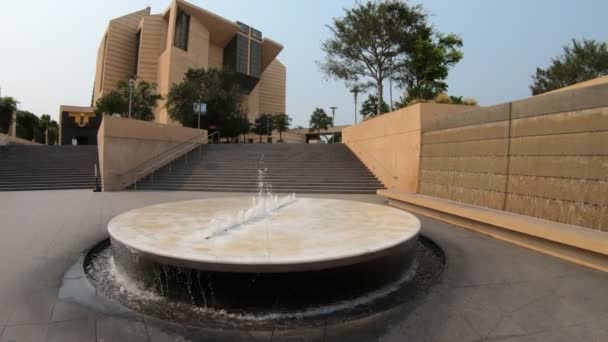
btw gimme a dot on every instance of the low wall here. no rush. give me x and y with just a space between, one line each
546 156
389 145
123 144
11 140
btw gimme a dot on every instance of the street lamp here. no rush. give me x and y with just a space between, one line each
333 125
131 84
390 83
355 90
268 125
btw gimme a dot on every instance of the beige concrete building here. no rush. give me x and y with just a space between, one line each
160 48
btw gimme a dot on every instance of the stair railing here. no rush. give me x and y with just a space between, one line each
212 134
133 175
97 180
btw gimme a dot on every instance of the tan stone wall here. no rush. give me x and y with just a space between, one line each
546 156
117 52
272 88
150 48
124 144
164 64
389 145
11 140
216 56
99 69
593 82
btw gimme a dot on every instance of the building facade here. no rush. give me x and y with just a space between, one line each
160 48
78 123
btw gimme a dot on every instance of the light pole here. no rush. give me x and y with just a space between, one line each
267 126
355 90
131 84
333 125
390 83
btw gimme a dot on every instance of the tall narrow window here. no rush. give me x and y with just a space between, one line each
182 26
137 44
103 62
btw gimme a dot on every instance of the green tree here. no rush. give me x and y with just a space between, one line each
219 89
53 135
28 127
401 102
245 127
281 122
8 105
44 124
143 101
369 107
425 72
234 124
372 40
112 103
319 120
581 61
263 125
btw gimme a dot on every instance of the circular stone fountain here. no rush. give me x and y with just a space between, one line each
288 235
262 260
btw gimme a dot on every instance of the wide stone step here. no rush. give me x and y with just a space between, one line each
290 168
279 178
272 172
42 172
229 182
46 179
47 167
253 190
48 186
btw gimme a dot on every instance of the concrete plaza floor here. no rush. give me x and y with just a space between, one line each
490 290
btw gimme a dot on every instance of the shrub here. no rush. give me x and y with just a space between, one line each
415 101
443 98
456 99
7 106
469 101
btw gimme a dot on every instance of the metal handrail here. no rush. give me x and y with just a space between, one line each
376 160
214 133
154 163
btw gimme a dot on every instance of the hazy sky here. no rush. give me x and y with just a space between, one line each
49 47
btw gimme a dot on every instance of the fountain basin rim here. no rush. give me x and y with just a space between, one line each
407 239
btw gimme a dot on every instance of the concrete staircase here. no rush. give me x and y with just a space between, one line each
35 167
303 168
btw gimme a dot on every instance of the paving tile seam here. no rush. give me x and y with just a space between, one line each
498 322
523 306
468 322
146 330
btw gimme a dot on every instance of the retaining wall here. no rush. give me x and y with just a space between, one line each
546 156
389 145
124 144
12 140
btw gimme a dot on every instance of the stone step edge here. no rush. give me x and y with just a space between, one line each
576 244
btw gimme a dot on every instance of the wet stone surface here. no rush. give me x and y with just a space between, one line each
490 290
299 299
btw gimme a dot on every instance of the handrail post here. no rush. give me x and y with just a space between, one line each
97 187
